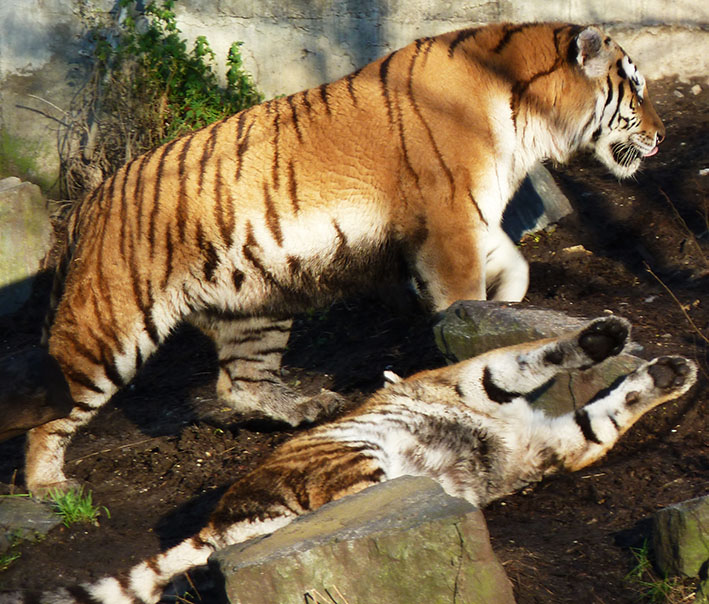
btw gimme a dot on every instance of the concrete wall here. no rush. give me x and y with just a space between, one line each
294 44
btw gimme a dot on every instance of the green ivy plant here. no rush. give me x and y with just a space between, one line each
148 87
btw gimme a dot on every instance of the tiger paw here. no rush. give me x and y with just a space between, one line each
660 380
275 401
604 338
672 374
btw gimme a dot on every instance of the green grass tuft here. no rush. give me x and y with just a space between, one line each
75 506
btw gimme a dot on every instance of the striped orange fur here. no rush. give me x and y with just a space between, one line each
399 170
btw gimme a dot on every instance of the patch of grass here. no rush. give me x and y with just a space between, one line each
653 588
75 506
7 558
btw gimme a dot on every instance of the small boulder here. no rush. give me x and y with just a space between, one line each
399 542
681 537
24 519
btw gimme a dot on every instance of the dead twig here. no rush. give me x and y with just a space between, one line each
690 234
681 307
127 446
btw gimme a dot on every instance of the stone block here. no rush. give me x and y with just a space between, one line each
23 518
681 537
469 328
399 542
25 238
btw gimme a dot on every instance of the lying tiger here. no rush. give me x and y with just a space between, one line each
400 170
468 426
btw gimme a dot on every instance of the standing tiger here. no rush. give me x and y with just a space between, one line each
399 170
468 426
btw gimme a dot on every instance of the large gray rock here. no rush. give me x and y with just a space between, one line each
681 537
401 542
25 238
22 518
469 328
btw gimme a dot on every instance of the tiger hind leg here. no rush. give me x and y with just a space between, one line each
587 434
249 352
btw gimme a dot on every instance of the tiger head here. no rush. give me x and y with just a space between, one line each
627 127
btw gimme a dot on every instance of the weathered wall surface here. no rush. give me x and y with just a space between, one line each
294 44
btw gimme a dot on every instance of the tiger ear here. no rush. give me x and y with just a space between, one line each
591 54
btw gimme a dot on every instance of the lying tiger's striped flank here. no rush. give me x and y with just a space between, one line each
439 423
400 170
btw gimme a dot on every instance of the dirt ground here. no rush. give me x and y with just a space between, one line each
161 453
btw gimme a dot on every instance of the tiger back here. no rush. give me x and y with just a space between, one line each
399 170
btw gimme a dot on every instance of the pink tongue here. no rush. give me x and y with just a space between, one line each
655 150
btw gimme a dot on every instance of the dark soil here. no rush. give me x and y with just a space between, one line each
163 450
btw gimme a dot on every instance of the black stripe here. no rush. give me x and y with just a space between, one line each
169 257
554 356
621 92
296 123
584 422
306 100
275 174
273 221
156 194
254 380
112 373
383 76
139 189
614 422
138 357
211 257
207 153
224 214
82 596
462 36
350 86
82 379
124 208
237 278
181 211
243 144
477 207
507 37
293 188
494 392
609 94
324 97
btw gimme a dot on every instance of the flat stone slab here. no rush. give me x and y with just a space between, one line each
681 537
23 519
400 542
469 328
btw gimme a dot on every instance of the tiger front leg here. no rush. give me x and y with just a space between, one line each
250 351
506 270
